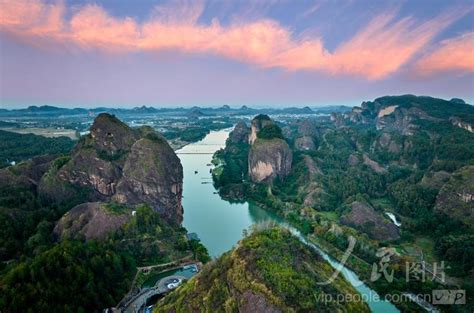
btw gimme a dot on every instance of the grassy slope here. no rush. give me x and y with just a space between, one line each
270 266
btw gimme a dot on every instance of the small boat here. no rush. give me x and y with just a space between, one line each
195 172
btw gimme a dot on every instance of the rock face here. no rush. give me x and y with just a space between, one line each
456 197
92 220
269 159
308 128
304 143
364 217
240 133
435 179
464 125
148 163
259 122
385 141
117 163
376 167
401 114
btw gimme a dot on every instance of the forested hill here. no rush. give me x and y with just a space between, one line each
74 228
405 114
409 156
269 271
20 147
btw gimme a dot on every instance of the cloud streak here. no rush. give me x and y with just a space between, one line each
452 54
374 52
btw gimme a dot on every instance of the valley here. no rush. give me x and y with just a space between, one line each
259 156
324 180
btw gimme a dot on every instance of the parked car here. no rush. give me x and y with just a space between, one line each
174 283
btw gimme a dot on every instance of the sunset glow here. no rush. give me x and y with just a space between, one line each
388 42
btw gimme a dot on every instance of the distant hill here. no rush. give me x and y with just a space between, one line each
48 110
406 113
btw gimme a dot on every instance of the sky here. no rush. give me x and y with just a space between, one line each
266 53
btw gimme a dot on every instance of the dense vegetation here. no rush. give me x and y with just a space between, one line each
197 131
389 171
270 132
77 276
270 269
20 147
69 277
232 168
44 270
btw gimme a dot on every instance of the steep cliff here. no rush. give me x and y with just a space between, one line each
363 217
269 271
269 159
240 133
117 163
270 156
259 122
306 137
456 198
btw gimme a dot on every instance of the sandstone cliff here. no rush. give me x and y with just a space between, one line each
240 133
456 197
117 163
269 159
402 114
259 122
364 217
270 156
92 220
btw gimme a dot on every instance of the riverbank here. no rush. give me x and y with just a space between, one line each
153 281
218 222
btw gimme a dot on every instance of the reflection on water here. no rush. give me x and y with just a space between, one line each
219 223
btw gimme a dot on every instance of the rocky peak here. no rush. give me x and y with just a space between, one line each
240 133
456 197
308 131
401 113
259 122
269 157
111 135
308 128
152 174
457 101
365 218
93 220
117 163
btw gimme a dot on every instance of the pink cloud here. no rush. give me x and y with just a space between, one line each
384 45
93 27
452 54
379 49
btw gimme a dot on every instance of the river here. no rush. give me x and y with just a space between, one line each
219 223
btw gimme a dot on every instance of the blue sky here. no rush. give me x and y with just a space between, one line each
265 53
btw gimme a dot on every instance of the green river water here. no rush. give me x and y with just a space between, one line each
219 223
